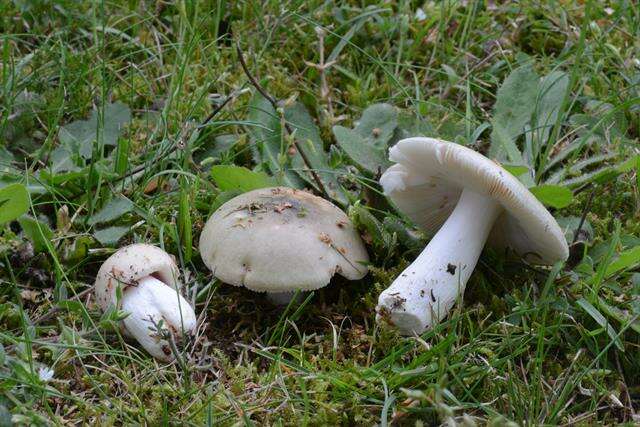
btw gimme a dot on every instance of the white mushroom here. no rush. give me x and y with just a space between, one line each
148 277
469 200
279 240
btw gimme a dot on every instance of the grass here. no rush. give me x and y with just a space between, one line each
105 104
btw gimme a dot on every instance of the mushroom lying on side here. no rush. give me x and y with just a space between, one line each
468 199
148 277
279 240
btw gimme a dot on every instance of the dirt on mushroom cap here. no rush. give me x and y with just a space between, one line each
129 264
281 239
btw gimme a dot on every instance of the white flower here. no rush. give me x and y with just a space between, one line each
45 374
420 15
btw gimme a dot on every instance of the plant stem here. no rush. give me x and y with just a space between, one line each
288 129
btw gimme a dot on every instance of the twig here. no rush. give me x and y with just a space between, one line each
274 104
93 333
253 80
169 151
48 315
165 334
322 67
216 110
587 207
479 64
175 146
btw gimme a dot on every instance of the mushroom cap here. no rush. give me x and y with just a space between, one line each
280 240
427 181
130 264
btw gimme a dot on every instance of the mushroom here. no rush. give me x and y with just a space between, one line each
148 277
279 240
468 199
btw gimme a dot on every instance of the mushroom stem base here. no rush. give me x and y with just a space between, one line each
425 292
149 303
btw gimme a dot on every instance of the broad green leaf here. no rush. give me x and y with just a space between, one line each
600 320
377 124
551 91
602 120
114 209
555 196
6 157
380 237
569 224
411 125
308 136
564 153
516 170
578 167
78 249
301 121
621 316
37 231
590 161
367 144
33 187
222 144
223 198
269 144
18 130
62 160
627 259
604 174
370 158
406 236
111 235
57 179
515 102
14 201
479 130
238 178
503 145
452 129
80 135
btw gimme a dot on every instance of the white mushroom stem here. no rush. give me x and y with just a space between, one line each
284 298
425 292
149 302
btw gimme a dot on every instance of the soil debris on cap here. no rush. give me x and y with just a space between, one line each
324 237
451 269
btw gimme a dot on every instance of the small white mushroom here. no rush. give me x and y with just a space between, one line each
148 277
279 240
469 200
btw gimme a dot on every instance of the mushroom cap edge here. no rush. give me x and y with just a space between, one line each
427 180
129 264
